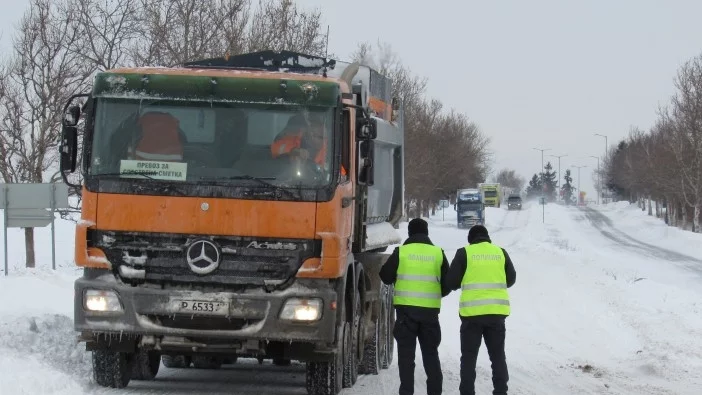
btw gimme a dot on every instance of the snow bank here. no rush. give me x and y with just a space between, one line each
42 346
650 229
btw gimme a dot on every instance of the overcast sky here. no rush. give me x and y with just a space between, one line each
537 73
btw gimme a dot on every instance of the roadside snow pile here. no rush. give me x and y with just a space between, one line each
37 336
41 345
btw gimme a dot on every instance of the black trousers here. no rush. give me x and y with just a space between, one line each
428 331
473 330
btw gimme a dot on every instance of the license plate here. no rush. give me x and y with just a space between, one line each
200 308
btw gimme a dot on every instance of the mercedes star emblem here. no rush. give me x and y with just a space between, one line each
203 257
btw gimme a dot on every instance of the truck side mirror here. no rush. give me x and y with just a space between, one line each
69 148
71 117
366 129
365 162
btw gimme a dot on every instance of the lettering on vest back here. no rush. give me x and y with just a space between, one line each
486 257
423 258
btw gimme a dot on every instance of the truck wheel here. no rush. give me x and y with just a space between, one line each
281 362
390 348
353 352
146 365
206 362
112 369
176 361
371 353
325 378
383 333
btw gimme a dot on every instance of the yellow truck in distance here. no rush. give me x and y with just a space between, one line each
204 237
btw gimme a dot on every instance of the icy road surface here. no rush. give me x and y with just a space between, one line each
607 301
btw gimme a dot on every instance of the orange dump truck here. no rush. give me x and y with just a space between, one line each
236 207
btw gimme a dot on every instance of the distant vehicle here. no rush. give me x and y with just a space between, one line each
470 209
490 194
514 202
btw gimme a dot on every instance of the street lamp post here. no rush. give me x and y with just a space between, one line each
559 168
542 159
579 167
543 199
599 182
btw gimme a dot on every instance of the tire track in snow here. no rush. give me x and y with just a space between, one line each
602 223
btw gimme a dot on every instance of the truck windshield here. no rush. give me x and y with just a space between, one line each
185 141
490 194
468 206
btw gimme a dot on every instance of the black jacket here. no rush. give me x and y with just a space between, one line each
460 262
388 274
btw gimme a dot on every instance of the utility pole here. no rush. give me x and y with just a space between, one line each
559 169
579 167
543 199
606 148
599 182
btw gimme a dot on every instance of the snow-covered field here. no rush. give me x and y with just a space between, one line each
607 301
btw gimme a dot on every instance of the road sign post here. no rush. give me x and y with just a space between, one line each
443 204
32 206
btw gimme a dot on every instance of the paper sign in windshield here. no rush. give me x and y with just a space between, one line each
171 171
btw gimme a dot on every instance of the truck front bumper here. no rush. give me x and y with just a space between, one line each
153 314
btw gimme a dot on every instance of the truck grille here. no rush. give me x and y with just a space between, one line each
163 258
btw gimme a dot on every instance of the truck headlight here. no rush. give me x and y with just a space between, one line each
101 301
306 310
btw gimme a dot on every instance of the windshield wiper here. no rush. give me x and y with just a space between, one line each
163 187
260 180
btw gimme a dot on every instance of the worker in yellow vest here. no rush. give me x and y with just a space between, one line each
418 270
483 272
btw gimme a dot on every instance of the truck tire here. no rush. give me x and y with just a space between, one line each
176 361
347 376
281 362
146 365
355 347
112 369
371 353
206 362
325 378
390 348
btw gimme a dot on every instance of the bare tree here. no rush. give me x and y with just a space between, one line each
107 27
686 139
178 31
511 179
40 77
280 24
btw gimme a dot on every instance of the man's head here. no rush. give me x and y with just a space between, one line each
478 232
418 226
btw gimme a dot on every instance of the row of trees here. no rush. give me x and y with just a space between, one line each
663 165
444 150
543 184
549 179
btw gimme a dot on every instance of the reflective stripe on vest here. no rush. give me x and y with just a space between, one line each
484 284
419 276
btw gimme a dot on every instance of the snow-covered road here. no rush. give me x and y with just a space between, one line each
607 301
